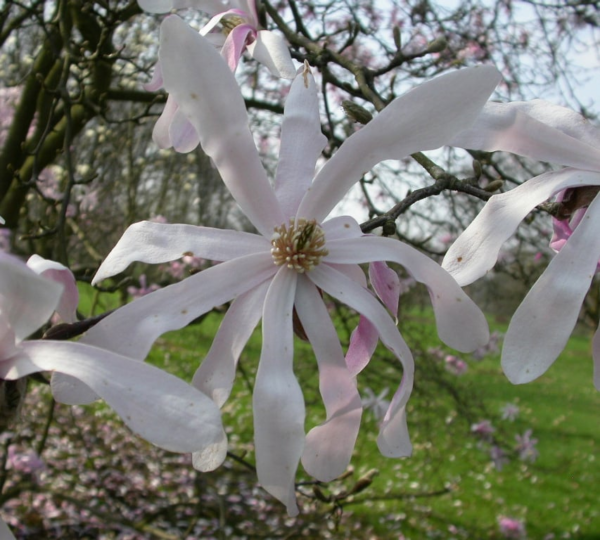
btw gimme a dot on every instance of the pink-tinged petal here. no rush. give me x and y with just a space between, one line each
272 51
596 357
301 143
393 440
208 94
132 329
158 406
58 273
7 338
363 343
425 118
161 134
235 44
156 243
156 82
329 446
476 250
341 227
542 325
247 7
460 323
182 133
278 402
386 283
529 130
26 299
5 533
216 374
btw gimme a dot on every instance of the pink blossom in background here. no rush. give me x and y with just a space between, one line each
543 323
526 446
510 411
498 457
511 528
296 254
27 461
491 347
455 365
143 289
484 429
377 404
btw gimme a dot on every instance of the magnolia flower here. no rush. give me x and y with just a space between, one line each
542 325
511 527
154 404
240 31
279 273
526 446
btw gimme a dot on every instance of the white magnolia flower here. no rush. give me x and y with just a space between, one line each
296 254
542 325
157 406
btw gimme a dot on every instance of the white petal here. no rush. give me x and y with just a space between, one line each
278 402
386 283
476 250
329 446
59 273
26 299
156 243
132 329
156 405
216 374
363 343
542 325
460 323
301 143
425 118
272 51
393 440
538 130
182 133
341 227
208 94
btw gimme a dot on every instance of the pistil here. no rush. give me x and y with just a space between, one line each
299 245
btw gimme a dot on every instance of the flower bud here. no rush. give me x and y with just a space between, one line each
356 112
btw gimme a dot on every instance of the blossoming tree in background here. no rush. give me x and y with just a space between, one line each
272 170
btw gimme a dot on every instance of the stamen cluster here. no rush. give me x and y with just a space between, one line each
229 22
300 246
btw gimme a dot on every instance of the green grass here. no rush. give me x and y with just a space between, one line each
557 494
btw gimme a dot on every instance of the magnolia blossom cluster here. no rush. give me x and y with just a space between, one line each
279 274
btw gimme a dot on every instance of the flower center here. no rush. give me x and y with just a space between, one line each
229 22
299 245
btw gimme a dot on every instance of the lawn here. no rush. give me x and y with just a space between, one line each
449 488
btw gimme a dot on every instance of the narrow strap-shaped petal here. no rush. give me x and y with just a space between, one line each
156 243
235 44
329 446
425 118
386 283
156 405
460 323
301 143
363 343
132 329
529 130
393 440
278 402
26 299
596 357
208 94
476 250
272 51
542 325
216 374
161 133
59 273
